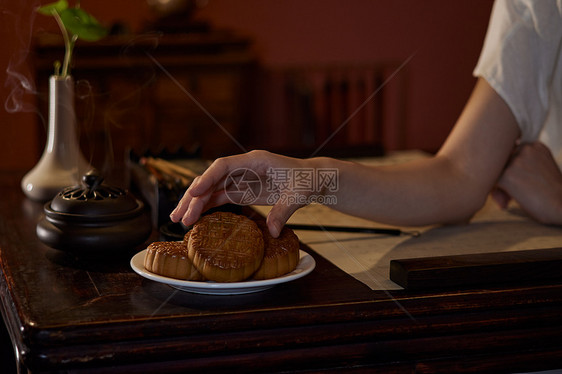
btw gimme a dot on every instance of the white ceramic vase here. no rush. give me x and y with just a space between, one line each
62 163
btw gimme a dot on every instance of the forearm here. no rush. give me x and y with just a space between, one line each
422 192
534 180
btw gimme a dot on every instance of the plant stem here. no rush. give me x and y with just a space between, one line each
68 44
68 55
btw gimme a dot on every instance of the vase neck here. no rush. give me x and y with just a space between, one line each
62 136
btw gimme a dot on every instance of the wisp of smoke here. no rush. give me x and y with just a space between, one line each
18 23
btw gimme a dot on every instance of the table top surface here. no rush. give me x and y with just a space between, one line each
54 302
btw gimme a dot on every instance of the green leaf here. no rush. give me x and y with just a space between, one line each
59 6
80 23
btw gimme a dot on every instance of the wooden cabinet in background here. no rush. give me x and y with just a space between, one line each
154 91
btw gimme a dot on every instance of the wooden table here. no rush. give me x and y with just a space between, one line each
65 313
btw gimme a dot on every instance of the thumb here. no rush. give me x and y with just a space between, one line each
278 216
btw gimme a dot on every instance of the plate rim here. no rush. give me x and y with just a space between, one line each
306 264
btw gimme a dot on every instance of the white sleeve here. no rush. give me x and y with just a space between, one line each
520 55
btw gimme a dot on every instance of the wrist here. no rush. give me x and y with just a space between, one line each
328 177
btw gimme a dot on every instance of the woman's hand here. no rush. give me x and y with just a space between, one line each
256 177
533 179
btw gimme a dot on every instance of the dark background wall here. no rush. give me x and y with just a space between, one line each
443 39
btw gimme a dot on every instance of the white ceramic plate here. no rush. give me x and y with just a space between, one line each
306 265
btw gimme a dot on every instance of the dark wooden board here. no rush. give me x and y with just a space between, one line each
477 269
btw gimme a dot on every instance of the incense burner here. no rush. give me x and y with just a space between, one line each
94 218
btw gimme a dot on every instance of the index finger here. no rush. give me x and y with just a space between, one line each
209 180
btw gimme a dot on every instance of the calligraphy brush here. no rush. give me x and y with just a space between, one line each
363 230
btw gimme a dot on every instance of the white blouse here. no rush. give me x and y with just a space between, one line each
522 60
